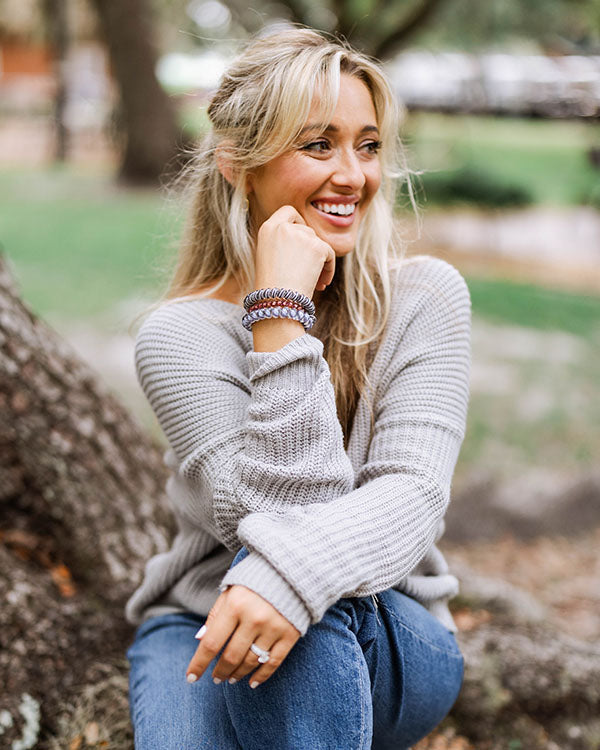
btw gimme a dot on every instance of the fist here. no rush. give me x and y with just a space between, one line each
289 254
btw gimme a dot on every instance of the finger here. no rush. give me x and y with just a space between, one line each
240 660
328 270
286 213
278 653
235 655
218 631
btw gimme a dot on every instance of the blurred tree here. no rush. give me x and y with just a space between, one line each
375 26
55 18
383 28
147 115
551 26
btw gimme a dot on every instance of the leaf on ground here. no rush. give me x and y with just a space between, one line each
468 619
92 733
61 576
445 741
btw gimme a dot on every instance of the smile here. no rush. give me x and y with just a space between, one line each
340 209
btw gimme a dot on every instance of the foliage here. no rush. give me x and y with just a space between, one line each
476 187
548 159
536 307
382 29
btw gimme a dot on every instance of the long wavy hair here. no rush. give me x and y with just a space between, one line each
257 113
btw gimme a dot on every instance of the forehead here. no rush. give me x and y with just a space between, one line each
354 105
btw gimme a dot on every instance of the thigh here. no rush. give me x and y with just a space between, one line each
319 698
416 671
166 711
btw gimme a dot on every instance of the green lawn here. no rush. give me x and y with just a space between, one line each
536 307
78 244
547 158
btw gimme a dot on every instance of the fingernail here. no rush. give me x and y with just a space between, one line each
192 677
232 680
254 684
217 681
201 632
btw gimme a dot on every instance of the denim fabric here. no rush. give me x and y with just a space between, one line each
363 677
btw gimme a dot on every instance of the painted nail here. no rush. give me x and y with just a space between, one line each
217 681
201 632
192 677
232 680
254 684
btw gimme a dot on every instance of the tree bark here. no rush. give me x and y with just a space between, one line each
147 114
81 510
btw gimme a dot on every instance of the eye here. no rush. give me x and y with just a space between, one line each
319 147
372 147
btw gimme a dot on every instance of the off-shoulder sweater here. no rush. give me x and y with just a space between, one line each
257 455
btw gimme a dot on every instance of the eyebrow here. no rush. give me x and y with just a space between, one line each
335 129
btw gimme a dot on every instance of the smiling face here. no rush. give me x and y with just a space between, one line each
331 175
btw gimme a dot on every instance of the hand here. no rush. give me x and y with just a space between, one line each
240 617
289 254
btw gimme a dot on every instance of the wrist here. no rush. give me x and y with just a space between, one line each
271 334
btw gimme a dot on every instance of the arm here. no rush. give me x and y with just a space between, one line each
243 444
370 538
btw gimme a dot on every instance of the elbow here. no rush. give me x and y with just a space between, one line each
435 499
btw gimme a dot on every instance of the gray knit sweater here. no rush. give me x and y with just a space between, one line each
257 455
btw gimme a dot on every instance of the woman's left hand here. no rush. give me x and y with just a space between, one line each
239 618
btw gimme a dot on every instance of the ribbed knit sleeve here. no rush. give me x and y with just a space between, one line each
243 444
369 539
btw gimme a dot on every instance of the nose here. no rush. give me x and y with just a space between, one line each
348 171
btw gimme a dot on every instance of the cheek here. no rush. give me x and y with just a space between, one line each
373 178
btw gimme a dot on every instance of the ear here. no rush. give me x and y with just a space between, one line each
225 166
224 163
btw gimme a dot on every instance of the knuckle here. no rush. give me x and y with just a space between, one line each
229 661
259 619
274 662
210 645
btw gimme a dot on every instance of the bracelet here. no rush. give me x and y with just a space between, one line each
276 303
258 295
301 316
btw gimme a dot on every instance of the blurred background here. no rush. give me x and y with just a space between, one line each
502 108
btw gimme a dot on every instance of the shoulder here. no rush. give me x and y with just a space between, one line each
424 284
425 275
207 330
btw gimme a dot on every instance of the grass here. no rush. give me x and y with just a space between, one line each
78 245
536 307
547 159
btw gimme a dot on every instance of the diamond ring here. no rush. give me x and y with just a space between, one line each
263 656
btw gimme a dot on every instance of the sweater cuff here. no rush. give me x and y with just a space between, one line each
302 358
257 574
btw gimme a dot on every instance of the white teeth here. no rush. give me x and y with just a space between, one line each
340 209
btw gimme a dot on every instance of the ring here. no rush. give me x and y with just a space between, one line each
263 656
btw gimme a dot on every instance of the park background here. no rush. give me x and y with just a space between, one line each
502 107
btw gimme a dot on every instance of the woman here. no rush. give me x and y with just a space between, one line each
311 451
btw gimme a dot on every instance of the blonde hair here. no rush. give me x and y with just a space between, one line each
257 113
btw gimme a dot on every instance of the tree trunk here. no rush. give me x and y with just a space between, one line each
147 114
82 509
55 16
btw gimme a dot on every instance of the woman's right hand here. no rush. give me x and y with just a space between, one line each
289 254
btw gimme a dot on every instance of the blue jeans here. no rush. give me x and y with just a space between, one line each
362 678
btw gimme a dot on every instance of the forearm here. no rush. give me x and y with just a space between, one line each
270 335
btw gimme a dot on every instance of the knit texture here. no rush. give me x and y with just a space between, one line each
257 455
